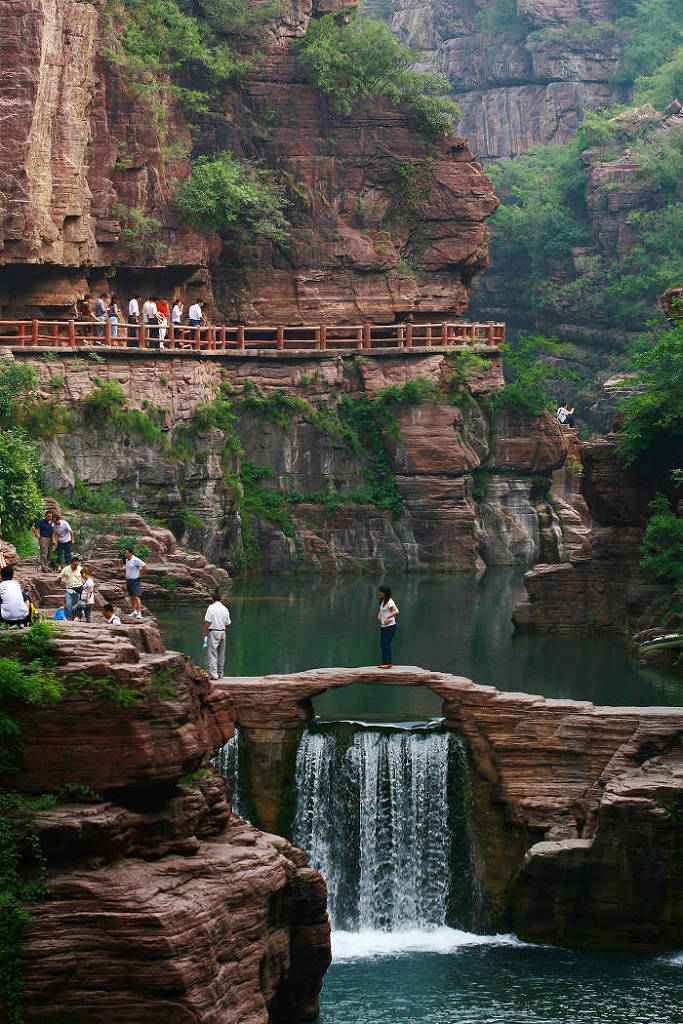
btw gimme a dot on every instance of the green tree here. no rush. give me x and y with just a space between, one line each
533 371
235 199
359 59
20 472
653 412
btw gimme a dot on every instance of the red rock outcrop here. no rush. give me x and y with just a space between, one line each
602 585
162 904
89 167
558 786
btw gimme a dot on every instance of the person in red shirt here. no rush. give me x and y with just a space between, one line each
162 310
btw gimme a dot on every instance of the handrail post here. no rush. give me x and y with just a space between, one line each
444 333
107 332
240 337
171 335
143 335
428 335
72 334
34 332
359 337
367 341
280 344
409 335
323 337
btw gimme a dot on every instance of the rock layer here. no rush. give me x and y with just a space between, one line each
602 584
558 786
163 905
473 485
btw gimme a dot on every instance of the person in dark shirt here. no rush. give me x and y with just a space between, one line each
43 530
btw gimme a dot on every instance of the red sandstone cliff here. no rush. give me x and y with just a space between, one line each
76 149
163 906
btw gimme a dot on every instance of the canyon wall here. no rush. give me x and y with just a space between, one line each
91 167
601 584
161 904
575 807
520 74
320 463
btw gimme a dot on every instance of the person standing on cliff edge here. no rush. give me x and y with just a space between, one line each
216 622
386 616
135 568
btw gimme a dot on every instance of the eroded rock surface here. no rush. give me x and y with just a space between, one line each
601 584
163 905
460 488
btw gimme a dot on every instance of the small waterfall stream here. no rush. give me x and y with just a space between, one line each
381 813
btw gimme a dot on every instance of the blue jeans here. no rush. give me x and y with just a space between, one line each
100 328
63 552
386 634
70 600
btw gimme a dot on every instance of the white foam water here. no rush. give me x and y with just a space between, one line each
673 961
370 943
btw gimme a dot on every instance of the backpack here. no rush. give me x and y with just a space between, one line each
562 414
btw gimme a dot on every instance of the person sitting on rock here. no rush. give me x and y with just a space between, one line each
13 608
110 616
565 415
60 615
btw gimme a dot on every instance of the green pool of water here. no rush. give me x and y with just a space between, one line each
452 623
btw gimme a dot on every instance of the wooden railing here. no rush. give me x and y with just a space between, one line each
76 334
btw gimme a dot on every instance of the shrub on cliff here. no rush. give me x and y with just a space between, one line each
235 199
653 414
533 372
20 499
358 59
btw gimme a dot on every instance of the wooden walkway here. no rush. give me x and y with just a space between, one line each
71 334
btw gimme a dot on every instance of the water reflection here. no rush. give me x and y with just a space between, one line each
453 623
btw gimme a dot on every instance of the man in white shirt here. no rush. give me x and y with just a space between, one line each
135 569
133 319
13 608
195 314
62 538
216 621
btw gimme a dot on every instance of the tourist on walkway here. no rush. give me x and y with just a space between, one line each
135 569
386 616
113 314
162 310
14 610
150 315
43 529
133 320
565 415
62 538
176 318
195 317
110 616
101 313
72 579
85 314
216 621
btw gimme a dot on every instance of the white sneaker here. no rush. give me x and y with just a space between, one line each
161 345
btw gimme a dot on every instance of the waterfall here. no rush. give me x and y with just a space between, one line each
226 761
381 813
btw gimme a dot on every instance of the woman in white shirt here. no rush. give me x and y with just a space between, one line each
13 609
386 616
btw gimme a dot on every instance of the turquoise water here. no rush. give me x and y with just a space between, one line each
453 623
492 983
